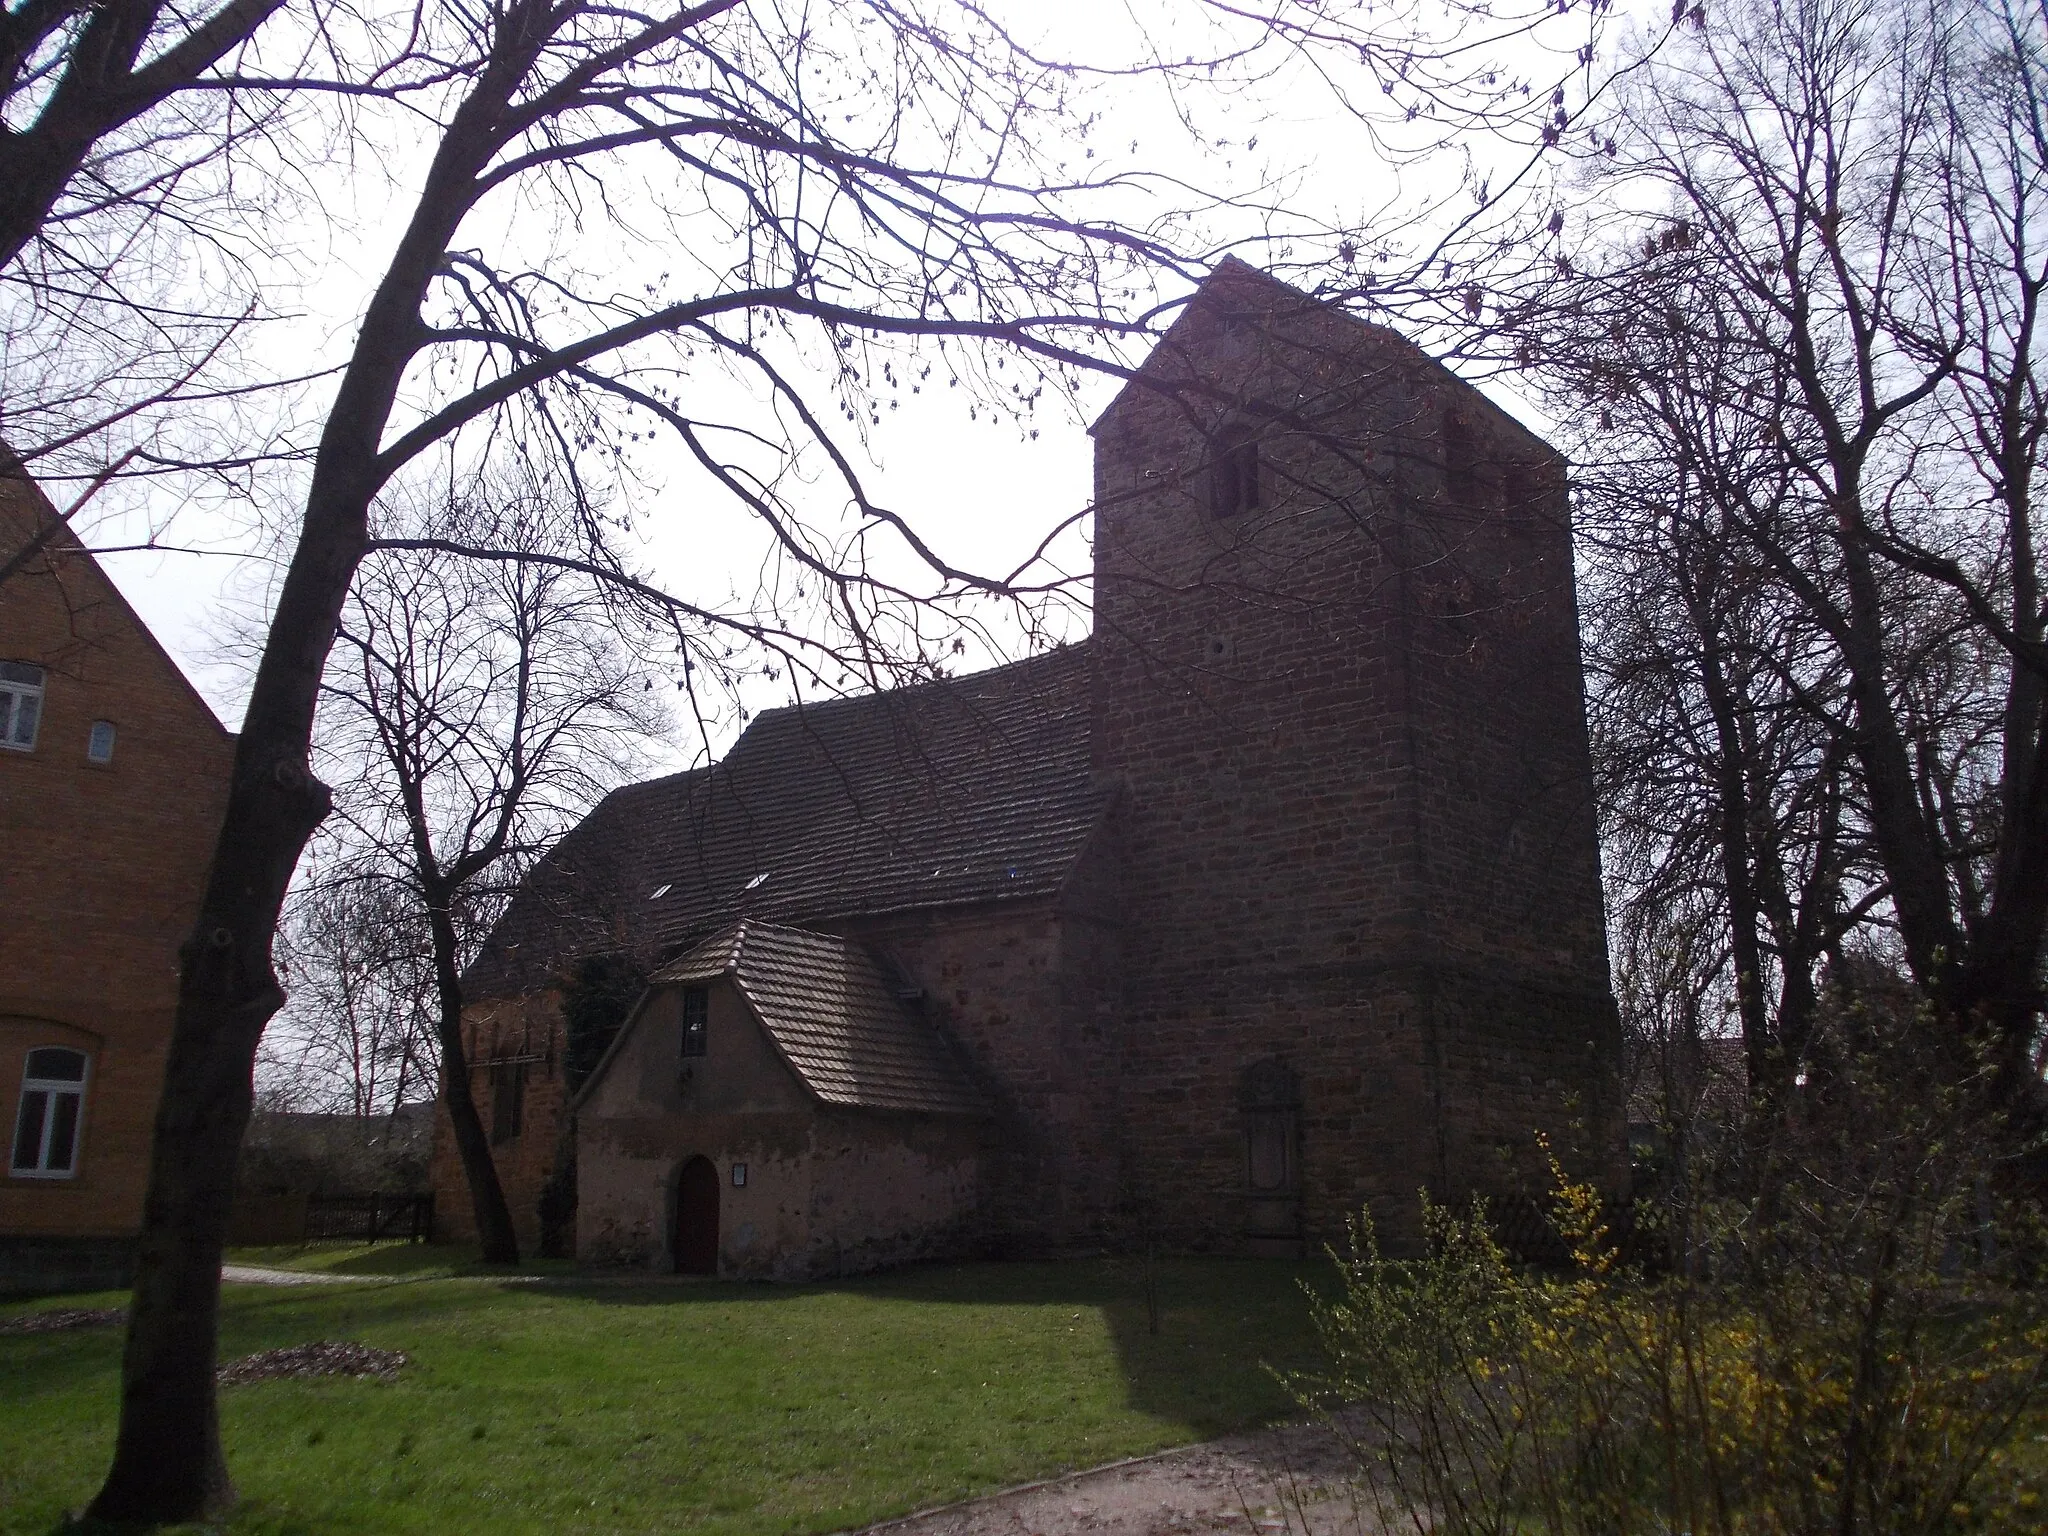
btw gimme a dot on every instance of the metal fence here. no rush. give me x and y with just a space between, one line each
371 1218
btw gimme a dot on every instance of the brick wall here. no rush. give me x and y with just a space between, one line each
101 871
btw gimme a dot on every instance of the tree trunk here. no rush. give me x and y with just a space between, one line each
480 1170
486 1195
1765 1061
2005 959
168 1463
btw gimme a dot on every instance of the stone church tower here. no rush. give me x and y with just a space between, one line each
1339 690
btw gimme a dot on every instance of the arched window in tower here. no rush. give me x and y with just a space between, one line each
1461 461
1234 471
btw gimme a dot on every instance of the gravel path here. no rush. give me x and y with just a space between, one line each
1284 1482
252 1274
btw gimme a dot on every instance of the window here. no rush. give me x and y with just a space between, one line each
1469 479
99 747
508 1100
1234 472
52 1104
21 704
696 1019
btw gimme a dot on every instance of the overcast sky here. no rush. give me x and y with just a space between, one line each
983 490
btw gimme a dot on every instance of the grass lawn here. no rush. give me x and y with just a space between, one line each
567 1405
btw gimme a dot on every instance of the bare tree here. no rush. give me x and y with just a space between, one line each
899 191
1735 846
358 1034
1826 337
473 710
75 78
118 204
909 220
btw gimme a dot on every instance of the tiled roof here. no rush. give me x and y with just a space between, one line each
975 789
835 1017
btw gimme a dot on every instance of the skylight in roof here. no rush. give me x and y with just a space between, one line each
659 891
759 879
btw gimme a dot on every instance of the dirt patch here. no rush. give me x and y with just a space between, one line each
1294 1481
59 1318
321 1359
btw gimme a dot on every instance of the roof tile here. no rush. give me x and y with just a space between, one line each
974 789
835 1017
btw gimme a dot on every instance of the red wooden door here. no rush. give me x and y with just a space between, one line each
696 1244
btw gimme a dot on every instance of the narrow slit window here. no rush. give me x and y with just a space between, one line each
1463 484
1234 472
508 1100
21 704
46 1123
99 746
696 1020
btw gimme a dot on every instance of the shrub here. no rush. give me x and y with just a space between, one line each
1846 1339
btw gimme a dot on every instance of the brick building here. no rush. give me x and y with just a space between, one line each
1277 896
113 780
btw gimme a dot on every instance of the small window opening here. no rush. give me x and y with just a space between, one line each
758 881
1462 486
1234 472
696 1020
508 1100
47 1121
99 747
21 704
659 891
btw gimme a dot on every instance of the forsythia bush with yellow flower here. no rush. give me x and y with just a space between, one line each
1848 1337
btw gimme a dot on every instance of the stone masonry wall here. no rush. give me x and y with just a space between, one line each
825 1191
1001 982
1351 738
892 1189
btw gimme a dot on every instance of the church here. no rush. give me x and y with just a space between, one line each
1276 897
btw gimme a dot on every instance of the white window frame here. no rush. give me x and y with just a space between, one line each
21 694
50 1089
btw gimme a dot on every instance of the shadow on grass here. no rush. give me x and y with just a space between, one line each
1229 1329
863 1396
416 1261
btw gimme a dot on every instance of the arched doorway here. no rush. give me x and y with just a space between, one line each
696 1234
1269 1097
